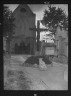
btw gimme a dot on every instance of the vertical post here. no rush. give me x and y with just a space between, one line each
38 34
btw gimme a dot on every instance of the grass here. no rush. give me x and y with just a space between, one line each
14 79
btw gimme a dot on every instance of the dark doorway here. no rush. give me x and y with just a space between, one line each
22 48
16 48
27 51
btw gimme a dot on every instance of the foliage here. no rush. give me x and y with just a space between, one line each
8 26
35 60
54 17
8 23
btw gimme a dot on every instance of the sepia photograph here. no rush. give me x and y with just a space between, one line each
35 46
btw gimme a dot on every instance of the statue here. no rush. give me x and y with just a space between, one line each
42 64
42 52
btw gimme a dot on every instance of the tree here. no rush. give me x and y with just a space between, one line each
48 36
54 17
8 26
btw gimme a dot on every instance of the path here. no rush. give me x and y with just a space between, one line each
52 79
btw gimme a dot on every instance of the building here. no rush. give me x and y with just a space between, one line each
25 39
61 42
49 49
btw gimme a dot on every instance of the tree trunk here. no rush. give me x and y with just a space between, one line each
8 47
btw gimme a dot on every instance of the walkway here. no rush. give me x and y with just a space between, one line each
51 79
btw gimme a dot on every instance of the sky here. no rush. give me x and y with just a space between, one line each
38 9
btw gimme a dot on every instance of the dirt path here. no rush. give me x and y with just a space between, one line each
52 79
49 79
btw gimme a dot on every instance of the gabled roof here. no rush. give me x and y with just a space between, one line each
62 33
26 6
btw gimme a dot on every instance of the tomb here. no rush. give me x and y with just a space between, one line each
61 42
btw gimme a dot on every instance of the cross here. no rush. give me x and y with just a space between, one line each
38 29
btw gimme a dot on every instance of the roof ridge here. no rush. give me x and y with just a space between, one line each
26 6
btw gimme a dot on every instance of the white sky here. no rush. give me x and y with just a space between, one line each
38 9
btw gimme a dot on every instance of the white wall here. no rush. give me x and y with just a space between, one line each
49 51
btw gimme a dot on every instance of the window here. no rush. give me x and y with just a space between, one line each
23 10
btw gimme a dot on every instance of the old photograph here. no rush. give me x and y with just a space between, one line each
35 46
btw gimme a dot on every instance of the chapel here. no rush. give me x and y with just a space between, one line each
24 41
61 42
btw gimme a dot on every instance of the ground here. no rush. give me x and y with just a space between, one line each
18 77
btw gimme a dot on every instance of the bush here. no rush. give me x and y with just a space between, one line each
35 60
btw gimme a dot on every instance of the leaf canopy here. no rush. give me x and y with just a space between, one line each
8 23
54 17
